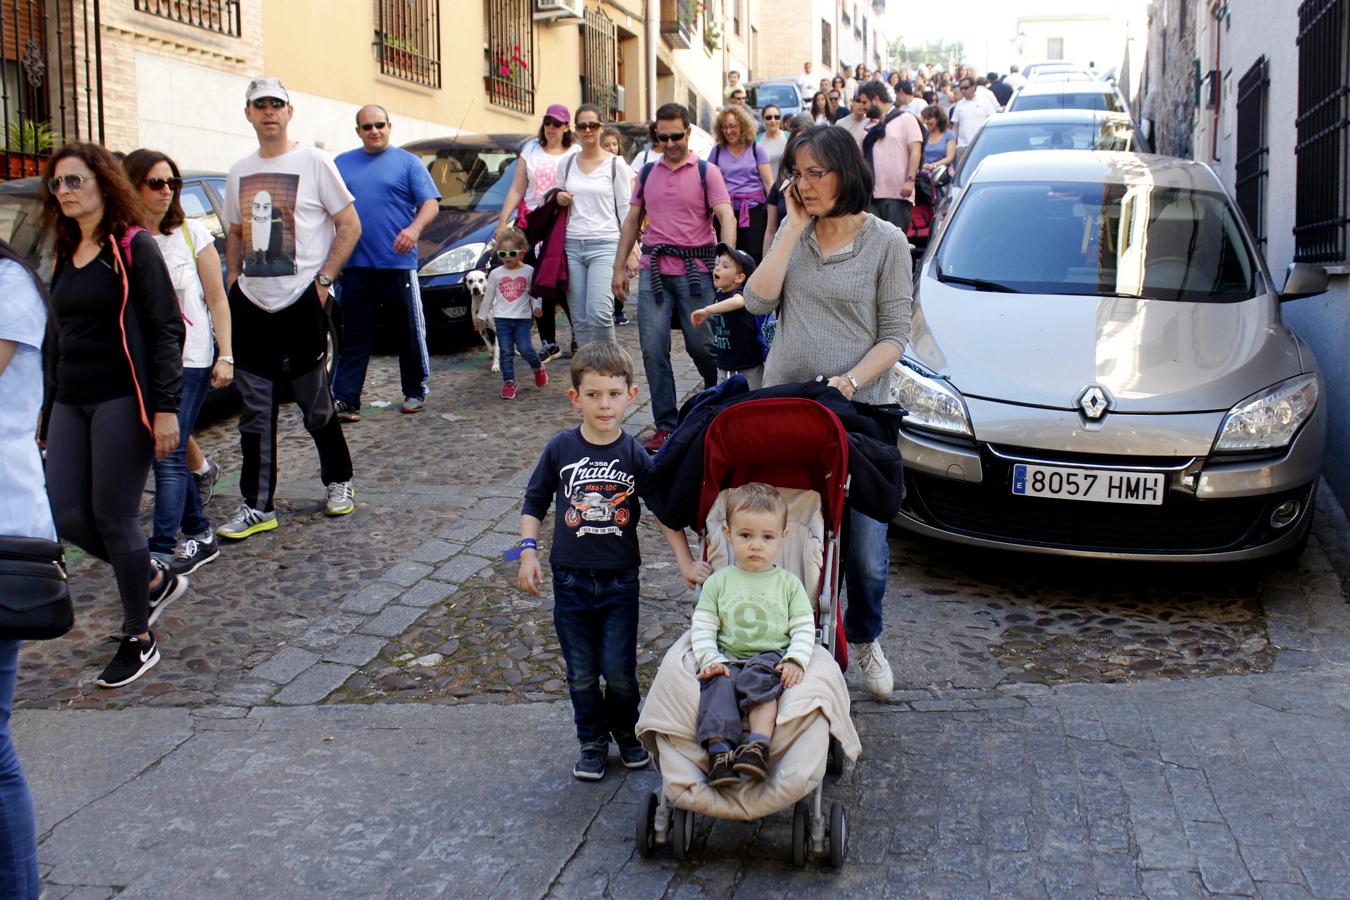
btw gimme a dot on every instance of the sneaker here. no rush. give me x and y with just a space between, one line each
752 760
549 351
194 553
413 405
540 377
622 319
633 754
341 499
171 587
347 412
206 481
134 658
591 764
247 521
721 773
656 441
876 672
509 390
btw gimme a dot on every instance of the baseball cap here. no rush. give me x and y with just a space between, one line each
266 87
743 259
559 112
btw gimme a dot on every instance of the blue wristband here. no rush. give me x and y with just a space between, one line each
525 544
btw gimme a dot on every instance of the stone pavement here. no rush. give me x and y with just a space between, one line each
1059 729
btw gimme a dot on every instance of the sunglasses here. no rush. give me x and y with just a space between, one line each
737 96
366 126
508 254
265 102
72 182
772 118
588 126
159 184
670 136
552 122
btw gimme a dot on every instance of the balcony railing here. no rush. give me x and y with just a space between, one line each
220 16
408 40
679 30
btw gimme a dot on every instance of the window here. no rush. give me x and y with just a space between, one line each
736 16
826 42
600 49
408 40
220 16
509 54
1054 48
1252 149
1321 204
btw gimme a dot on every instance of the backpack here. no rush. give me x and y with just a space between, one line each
879 132
702 179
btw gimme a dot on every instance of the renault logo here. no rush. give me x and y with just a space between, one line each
1094 401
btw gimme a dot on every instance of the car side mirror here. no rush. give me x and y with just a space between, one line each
1304 280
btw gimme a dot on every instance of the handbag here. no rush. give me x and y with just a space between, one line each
35 602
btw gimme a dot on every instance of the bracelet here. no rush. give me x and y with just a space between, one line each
525 544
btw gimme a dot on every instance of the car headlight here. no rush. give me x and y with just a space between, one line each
932 403
451 262
1271 418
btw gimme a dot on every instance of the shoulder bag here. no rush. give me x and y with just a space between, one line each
35 602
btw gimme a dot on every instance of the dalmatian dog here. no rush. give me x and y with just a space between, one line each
476 282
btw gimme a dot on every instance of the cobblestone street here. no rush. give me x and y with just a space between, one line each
366 706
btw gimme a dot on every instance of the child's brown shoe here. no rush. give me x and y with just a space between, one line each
721 774
752 760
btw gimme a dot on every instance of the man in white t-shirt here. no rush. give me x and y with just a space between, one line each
905 99
969 114
292 225
806 84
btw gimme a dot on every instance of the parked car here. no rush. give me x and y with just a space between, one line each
1046 129
1098 95
780 92
1035 70
1099 368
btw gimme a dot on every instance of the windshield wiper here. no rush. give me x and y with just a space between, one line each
982 284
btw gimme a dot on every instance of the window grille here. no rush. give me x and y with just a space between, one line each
1253 147
600 47
510 54
220 16
408 40
1322 195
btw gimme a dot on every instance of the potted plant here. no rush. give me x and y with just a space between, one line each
27 141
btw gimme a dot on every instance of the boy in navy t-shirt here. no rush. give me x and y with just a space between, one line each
593 475
737 335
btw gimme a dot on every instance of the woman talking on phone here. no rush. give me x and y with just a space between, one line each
839 278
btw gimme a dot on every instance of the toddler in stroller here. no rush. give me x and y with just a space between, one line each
798 446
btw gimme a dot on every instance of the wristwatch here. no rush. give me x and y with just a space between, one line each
225 359
851 380
324 280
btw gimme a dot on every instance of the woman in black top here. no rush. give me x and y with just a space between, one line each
114 373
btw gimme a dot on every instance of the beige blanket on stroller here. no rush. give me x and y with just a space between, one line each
808 715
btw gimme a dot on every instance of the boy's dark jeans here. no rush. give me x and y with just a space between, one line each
595 612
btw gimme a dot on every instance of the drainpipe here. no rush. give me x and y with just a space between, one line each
653 44
1217 9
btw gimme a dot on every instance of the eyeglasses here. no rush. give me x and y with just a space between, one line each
772 118
366 126
265 102
812 176
661 138
588 126
834 98
551 122
159 184
967 87
508 254
72 183
737 96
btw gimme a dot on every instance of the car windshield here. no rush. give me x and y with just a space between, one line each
1105 100
1103 134
780 95
471 178
1090 239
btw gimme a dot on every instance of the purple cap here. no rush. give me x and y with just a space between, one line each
559 112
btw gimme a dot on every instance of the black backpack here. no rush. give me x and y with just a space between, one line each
878 132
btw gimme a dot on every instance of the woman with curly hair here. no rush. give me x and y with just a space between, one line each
115 381
745 167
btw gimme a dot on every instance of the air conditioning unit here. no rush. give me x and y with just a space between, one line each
560 12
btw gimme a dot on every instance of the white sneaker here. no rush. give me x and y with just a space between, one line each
876 672
341 499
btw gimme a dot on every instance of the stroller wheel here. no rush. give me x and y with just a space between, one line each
801 832
646 825
682 833
838 834
834 763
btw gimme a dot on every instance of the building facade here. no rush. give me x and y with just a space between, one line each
829 34
700 41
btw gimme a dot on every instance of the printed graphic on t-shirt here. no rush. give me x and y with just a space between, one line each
598 492
721 333
512 288
269 201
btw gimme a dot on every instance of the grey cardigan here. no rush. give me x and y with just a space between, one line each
832 311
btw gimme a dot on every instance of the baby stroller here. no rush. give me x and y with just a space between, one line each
800 447
927 194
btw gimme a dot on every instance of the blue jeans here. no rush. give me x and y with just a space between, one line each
867 558
18 824
364 291
654 324
178 506
590 271
513 335
595 612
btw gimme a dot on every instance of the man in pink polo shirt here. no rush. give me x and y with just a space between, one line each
680 196
894 147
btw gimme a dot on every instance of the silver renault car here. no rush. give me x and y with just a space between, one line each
1099 368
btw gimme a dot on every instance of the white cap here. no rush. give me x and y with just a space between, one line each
266 87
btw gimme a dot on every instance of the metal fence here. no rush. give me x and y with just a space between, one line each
1253 147
1322 201
52 86
510 55
220 16
600 48
408 40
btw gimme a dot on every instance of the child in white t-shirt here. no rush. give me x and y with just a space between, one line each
508 302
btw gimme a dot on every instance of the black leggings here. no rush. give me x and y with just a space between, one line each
98 457
548 322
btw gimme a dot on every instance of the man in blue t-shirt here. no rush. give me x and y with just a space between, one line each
396 199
